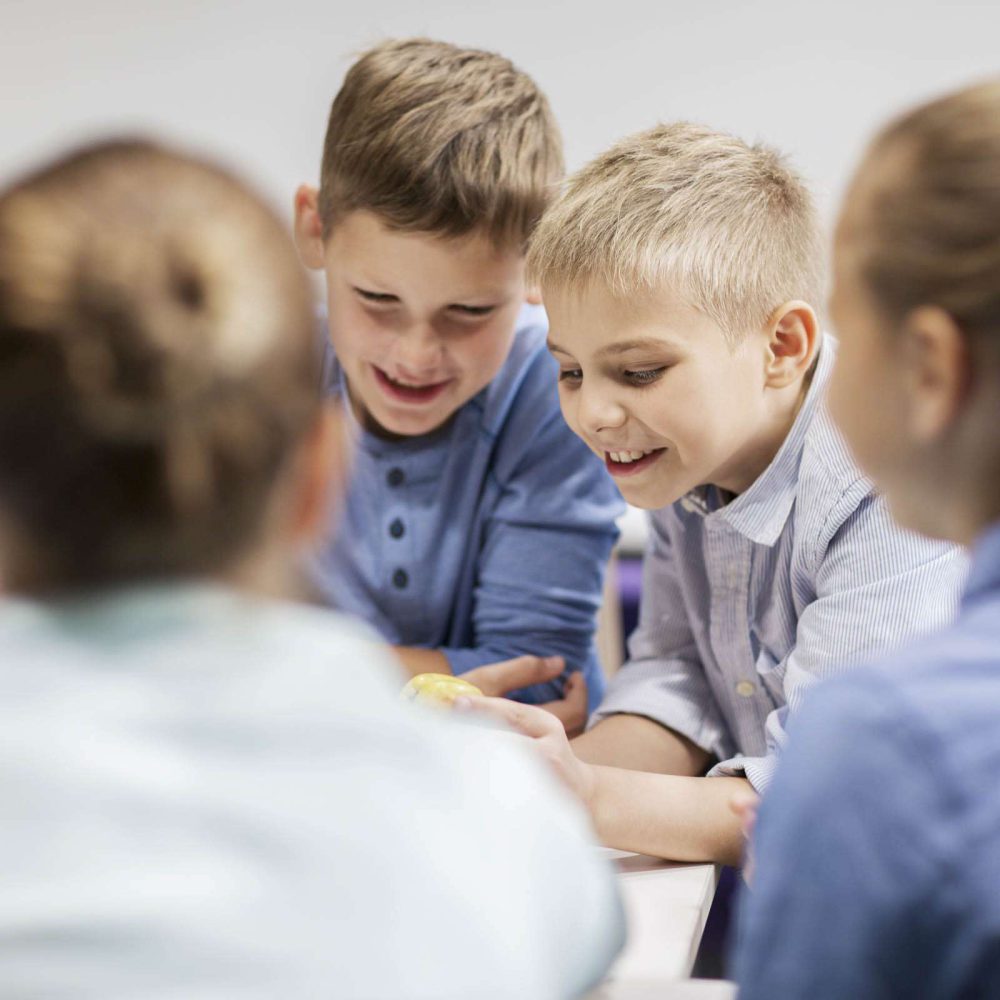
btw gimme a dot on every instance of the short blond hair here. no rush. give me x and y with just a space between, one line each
727 225
158 368
439 139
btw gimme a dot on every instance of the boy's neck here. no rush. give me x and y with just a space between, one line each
760 450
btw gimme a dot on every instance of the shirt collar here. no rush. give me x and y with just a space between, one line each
984 574
761 512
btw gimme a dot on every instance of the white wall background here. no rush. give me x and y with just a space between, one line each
251 82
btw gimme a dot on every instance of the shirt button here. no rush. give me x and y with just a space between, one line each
397 529
746 689
400 579
395 477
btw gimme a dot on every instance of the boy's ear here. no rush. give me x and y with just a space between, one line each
793 338
533 296
309 228
937 371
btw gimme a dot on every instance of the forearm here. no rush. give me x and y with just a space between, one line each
639 744
422 661
667 816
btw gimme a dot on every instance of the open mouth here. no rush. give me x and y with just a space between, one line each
628 463
407 392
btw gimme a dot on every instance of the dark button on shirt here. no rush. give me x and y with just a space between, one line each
395 477
397 529
400 579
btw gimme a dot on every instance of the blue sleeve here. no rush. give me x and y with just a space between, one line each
848 856
546 546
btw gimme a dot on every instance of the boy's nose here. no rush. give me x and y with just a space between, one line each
418 352
598 411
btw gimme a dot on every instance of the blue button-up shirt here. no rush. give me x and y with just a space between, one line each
487 539
878 846
746 604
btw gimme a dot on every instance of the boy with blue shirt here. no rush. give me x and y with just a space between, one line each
878 844
678 270
477 527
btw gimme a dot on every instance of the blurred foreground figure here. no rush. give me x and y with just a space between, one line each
878 844
208 790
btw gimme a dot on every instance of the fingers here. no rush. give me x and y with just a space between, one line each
497 679
529 720
571 709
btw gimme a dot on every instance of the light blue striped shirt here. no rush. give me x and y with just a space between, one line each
747 604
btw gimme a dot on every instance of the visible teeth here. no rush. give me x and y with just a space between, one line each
628 456
407 385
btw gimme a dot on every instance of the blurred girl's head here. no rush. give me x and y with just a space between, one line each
916 303
158 374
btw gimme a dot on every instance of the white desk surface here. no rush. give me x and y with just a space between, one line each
685 989
666 906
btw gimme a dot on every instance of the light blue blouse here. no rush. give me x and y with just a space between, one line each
487 539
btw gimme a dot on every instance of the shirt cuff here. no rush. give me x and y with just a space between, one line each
632 692
757 770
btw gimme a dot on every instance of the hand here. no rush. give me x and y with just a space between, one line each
744 805
571 708
547 734
497 679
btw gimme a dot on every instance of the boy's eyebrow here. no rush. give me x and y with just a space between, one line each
646 343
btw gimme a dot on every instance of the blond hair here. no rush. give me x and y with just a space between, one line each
157 363
438 139
726 225
931 218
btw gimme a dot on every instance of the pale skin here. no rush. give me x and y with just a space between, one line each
906 393
438 314
647 377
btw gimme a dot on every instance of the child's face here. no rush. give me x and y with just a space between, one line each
871 389
420 323
863 393
658 378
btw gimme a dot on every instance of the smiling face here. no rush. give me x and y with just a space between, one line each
420 323
658 391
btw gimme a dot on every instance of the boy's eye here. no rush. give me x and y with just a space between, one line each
380 298
645 376
573 376
472 310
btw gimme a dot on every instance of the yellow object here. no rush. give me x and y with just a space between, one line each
437 689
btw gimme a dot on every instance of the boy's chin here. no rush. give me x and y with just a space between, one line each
651 495
389 422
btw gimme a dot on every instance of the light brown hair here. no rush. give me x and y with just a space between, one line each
728 226
928 232
438 139
157 364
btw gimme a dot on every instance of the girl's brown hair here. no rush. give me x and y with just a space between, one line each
157 365
929 231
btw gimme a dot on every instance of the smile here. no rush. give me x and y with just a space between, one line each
408 392
628 462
